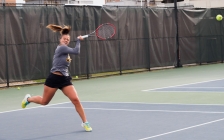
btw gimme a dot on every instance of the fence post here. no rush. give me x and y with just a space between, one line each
148 39
6 49
221 37
178 64
87 46
119 43
48 41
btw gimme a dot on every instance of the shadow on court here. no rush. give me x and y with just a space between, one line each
115 121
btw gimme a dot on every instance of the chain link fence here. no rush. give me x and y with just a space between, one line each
146 39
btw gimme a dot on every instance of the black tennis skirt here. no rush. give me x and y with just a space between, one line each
58 81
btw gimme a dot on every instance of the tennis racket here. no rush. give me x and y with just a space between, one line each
104 31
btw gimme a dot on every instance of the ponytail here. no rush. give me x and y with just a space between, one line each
56 28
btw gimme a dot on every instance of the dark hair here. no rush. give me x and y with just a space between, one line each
56 28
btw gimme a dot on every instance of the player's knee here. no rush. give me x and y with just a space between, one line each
44 103
75 101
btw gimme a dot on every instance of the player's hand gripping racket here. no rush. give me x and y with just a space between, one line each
104 31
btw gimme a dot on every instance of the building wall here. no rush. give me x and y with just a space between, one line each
206 3
195 3
10 2
100 2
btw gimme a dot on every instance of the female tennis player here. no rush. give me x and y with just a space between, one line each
59 76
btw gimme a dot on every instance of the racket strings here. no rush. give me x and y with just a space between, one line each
106 31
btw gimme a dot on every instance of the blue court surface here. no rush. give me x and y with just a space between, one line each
115 121
206 86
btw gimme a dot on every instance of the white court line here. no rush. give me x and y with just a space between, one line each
142 103
31 108
199 87
194 126
135 110
181 85
198 91
20 109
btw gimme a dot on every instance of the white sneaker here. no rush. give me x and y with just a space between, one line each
86 126
25 101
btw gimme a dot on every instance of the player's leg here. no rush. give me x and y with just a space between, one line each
71 93
43 100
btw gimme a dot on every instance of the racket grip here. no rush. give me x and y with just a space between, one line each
85 36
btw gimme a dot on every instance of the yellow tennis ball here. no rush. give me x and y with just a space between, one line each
18 88
219 17
76 77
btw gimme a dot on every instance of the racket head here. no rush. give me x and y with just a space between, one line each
105 31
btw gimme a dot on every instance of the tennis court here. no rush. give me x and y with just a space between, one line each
172 104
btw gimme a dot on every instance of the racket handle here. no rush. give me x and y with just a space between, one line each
85 36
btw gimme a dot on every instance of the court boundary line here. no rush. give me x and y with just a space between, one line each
110 102
181 89
178 130
140 110
185 91
199 87
154 103
180 85
31 108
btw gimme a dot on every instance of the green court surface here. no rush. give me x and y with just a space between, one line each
128 88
